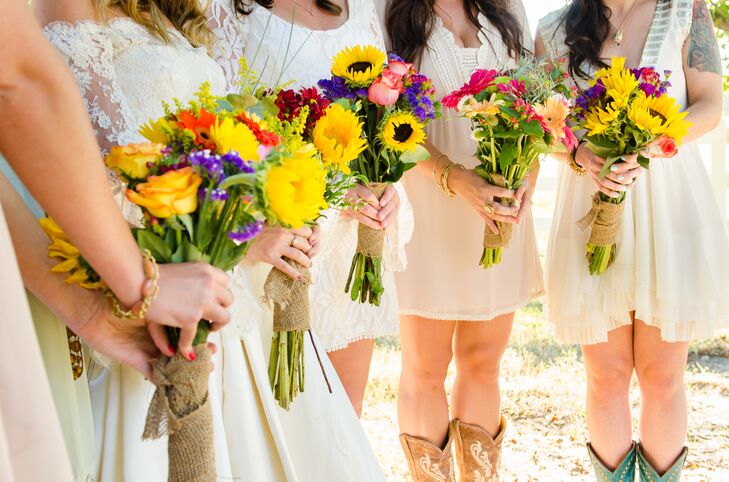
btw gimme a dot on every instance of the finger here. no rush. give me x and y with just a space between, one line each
304 231
159 337
496 191
504 219
389 219
370 212
608 192
388 196
491 224
141 364
519 194
219 276
387 209
286 268
613 186
301 244
505 210
367 221
623 178
368 196
187 335
631 159
316 249
523 211
225 297
298 256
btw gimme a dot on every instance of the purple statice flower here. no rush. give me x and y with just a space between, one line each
336 88
216 194
233 158
648 89
393 57
208 164
247 232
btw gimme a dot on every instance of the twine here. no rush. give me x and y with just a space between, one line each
290 299
180 408
604 218
491 240
371 242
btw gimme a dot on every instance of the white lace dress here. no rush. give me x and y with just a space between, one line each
672 263
300 57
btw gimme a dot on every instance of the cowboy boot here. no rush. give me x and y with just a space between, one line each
649 474
427 462
625 472
477 453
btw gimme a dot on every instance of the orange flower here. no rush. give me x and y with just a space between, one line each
200 126
134 160
172 193
554 112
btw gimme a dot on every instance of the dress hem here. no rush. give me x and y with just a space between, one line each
368 336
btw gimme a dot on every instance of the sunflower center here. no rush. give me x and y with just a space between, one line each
359 67
403 132
658 114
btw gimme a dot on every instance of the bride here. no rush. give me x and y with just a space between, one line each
128 58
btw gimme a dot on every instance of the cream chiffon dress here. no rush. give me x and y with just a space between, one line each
672 263
296 56
31 443
443 280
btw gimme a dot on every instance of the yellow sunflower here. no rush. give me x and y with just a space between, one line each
157 131
295 189
231 135
358 65
600 120
669 112
639 112
402 132
338 136
71 264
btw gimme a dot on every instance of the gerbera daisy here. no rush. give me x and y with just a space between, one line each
199 125
554 114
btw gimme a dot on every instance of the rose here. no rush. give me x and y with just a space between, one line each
400 68
650 76
665 147
386 89
172 193
134 160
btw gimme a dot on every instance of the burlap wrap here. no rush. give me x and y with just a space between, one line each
491 240
290 299
180 408
371 242
604 218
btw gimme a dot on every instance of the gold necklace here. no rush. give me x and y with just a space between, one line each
310 9
618 37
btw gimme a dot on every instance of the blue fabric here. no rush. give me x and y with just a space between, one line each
28 198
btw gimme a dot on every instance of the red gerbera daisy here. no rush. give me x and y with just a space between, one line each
199 125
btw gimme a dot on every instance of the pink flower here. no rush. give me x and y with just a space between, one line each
665 147
385 90
480 80
569 140
400 68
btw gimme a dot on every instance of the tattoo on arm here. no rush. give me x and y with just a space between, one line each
703 49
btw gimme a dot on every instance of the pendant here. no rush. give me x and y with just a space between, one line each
618 37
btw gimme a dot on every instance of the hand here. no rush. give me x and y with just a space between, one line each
275 243
389 207
477 192
523 197
365 207
622 174
314 241
188 293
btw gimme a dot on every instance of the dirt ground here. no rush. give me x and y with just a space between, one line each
543 397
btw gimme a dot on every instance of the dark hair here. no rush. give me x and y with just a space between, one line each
587 26
243 7
410 23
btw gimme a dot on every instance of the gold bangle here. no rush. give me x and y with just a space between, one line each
435 167
150 290
579 170
444 178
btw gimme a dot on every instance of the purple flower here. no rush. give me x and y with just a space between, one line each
233 158
207 164
336 88
395 58
216 194
247 232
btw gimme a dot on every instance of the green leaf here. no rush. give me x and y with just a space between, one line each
237 179
241 101
509 112
419 154
156 245
174 223
602 141
506 134
532 128
643 161
507 155
609 161
186 221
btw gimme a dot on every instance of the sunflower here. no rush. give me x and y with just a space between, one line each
231 135
157 131
295 188
358 66
669 112
401 132
639 112
72 264
338 136
600 120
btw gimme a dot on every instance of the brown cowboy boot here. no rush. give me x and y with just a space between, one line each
426 461
477 453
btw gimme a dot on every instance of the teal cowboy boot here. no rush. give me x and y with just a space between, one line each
625 472
649 474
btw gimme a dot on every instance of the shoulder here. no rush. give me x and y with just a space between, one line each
551 29
685 11
67 11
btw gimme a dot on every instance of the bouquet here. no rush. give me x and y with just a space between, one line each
311 174
516 115
394 103
624 111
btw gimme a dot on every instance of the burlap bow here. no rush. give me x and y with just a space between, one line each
604 218
371 242
491 240
290 299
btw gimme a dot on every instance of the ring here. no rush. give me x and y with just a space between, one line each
488 208
293 241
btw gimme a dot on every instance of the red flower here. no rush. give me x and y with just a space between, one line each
385 90
290 102
400 68
267 138
569 140
199 125
480 80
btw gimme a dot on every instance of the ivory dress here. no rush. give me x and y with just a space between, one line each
443 280
672 263
336 319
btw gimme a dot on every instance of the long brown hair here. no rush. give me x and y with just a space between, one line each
243 7
185 15
587 26
410 23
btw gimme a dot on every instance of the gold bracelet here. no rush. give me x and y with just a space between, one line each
435 166
444 178
150 290
579 170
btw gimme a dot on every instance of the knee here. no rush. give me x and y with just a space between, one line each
611 379
427 370
660 380
479 363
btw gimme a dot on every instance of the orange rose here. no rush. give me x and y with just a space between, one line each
134 160
172 193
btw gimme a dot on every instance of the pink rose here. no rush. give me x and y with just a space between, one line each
400 68
385 90
664 147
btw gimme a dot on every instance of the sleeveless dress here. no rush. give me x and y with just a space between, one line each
448 237
299 57
672 263
31 442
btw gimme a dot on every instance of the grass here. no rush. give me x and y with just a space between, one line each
543 387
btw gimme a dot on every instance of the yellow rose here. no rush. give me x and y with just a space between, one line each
172 193
133 160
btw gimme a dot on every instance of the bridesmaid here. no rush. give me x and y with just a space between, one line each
450 306
670 279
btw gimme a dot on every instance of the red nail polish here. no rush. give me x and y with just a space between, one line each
171 347
193 357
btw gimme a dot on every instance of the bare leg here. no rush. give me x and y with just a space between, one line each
479 347
609 369
353 367
426 353
660 367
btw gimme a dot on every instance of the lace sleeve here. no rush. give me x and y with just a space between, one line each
399 233
374 25
88 49
230 34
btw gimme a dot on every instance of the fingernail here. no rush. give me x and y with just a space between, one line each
615 195
193 357
621 177
613 168
171 348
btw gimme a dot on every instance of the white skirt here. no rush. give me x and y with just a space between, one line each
672 262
